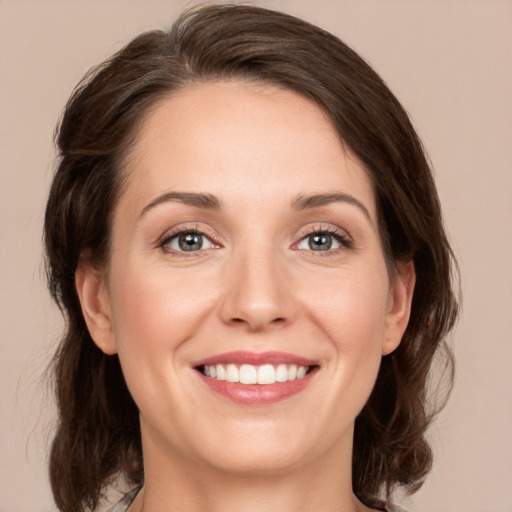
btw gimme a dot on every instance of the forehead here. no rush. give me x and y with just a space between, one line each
236 139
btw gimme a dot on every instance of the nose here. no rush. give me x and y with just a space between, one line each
258 293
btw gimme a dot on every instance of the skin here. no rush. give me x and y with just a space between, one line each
256 285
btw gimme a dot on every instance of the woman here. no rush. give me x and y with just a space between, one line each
246 240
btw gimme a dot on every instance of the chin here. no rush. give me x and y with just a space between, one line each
259 452
257 463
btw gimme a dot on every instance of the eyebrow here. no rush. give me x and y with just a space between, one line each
197 199
301 202
304 202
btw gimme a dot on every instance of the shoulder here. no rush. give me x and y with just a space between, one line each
123 504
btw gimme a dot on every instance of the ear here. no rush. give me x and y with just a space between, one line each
92 291
399 305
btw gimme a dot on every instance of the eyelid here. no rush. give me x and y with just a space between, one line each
341 235
187 228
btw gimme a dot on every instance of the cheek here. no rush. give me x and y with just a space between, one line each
351 312
156 308
155 313
351 308
348 310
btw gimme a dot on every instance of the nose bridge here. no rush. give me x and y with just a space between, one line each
257 293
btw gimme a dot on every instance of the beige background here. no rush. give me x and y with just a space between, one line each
450 64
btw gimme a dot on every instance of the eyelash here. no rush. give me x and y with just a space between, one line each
340 236
169 237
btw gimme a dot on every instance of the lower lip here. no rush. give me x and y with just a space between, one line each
258 394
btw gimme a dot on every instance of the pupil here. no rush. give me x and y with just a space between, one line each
190 242
320 242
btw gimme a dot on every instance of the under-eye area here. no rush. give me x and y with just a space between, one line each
256 374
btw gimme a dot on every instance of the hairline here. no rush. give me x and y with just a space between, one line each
125 160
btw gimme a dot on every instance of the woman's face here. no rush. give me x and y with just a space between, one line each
245 245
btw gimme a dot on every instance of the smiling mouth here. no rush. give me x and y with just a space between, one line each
256 379
264 374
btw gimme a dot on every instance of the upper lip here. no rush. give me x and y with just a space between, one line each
255 359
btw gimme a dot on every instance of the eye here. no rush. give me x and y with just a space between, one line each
324 241
187 241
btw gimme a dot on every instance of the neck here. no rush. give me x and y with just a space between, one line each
177 484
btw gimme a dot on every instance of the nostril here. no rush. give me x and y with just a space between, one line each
258 323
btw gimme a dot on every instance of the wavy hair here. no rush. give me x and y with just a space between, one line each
98 436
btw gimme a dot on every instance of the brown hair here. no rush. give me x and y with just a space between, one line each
98 435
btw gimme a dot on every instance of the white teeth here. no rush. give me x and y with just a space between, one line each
282 373
266 374
221 372
301 372
232 373
250 374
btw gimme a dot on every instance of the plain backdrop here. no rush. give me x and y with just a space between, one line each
449 62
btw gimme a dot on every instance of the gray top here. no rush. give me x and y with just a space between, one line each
123 504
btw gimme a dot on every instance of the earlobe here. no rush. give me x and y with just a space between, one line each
94 299
399 309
